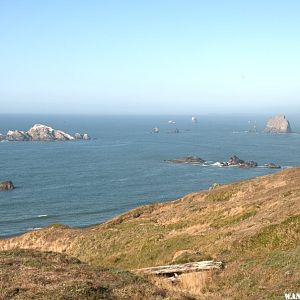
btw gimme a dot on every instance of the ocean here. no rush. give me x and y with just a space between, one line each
87 182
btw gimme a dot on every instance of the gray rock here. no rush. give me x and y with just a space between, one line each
214 186
6 185
278 124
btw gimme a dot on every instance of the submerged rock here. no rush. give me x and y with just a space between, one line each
155 130
6 185
278 124
186 160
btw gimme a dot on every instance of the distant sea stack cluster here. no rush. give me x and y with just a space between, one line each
278 124
234 161
40 132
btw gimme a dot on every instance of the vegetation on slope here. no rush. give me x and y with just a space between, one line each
28 274
253 226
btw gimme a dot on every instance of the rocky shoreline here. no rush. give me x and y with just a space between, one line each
40 132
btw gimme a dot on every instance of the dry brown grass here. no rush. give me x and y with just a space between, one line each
27 274
193 283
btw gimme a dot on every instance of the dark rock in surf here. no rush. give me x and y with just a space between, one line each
6 185
248 164
236 161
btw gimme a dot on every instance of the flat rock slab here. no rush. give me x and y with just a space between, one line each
186 160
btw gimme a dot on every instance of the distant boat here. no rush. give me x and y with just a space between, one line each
155 130
171 122
194 120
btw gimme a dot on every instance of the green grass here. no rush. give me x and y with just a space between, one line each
222 222
221 195
284 235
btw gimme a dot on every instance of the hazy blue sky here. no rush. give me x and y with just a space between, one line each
149 56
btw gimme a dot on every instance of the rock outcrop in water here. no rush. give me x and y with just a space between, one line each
236 161
40 132
6 185
278 124
186 160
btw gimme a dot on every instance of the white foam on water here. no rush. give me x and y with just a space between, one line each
217 164
33 228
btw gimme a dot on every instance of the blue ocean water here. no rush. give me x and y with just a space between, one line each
87 182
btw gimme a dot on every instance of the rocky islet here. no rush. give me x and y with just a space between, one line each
40 132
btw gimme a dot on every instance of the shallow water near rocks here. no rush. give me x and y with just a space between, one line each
87 182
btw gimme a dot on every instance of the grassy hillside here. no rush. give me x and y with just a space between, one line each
29 274
253 226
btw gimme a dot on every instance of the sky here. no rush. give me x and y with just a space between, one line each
149 56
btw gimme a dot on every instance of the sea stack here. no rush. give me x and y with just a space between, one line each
278 124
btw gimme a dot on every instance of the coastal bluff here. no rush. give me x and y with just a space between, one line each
251 225
278 124
40 132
